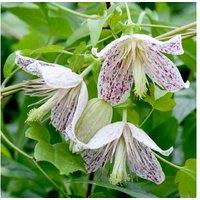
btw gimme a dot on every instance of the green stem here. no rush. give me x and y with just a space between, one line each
177 30
147 117
14 147
168 162
162 26
187 34
140 18
33 160
75 12
87 70
128 14
9 77
124 115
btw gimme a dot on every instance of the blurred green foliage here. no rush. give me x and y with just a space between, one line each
43 30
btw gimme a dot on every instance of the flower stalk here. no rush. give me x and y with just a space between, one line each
78 14
177 30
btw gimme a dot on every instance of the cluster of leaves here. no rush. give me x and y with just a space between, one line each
45 31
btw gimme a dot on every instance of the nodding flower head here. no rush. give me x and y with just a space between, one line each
130 148
64 93
131 59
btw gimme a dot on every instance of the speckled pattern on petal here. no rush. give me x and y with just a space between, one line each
163 71
115 78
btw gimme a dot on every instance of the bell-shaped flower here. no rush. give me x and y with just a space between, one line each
128 147
63 92
130 59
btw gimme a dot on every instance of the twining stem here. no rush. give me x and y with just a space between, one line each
78 14
140 18
186 34
128 14
147 117
33 160
162 26
9 77
177 30
87 70
89 186
168 162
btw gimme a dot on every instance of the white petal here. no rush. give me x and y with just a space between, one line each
55 76
172 46
82 102
59 76
141 160
142 137
96 158
29 65
111 46
106 135
163 71
116 76
70 105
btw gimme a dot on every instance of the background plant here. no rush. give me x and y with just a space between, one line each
36 161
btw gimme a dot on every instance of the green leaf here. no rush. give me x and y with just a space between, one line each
79 33
186 179
32 40
160 100
44 152
11 168
9 65
185 102
95 28
37 132
163 11
5 152
45 49
76 61
57 154
31 14
65 161
189 136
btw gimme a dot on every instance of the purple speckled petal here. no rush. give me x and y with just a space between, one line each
55 76
116 77
172 46
141 160
95 159
163 71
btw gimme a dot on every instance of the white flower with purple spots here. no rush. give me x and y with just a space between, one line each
130 59
124 144
63 92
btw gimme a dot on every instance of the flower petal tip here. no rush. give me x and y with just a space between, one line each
187 84
168 151
94 52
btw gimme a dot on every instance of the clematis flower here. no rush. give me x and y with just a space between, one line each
63 92
133 58
124 144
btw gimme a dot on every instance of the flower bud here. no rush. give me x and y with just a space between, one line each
96 115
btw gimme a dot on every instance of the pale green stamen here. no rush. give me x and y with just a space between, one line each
119 172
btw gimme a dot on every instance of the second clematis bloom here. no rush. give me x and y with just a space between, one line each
131 59
124 144
63 92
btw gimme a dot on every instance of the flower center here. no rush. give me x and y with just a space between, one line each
119 172
139 72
